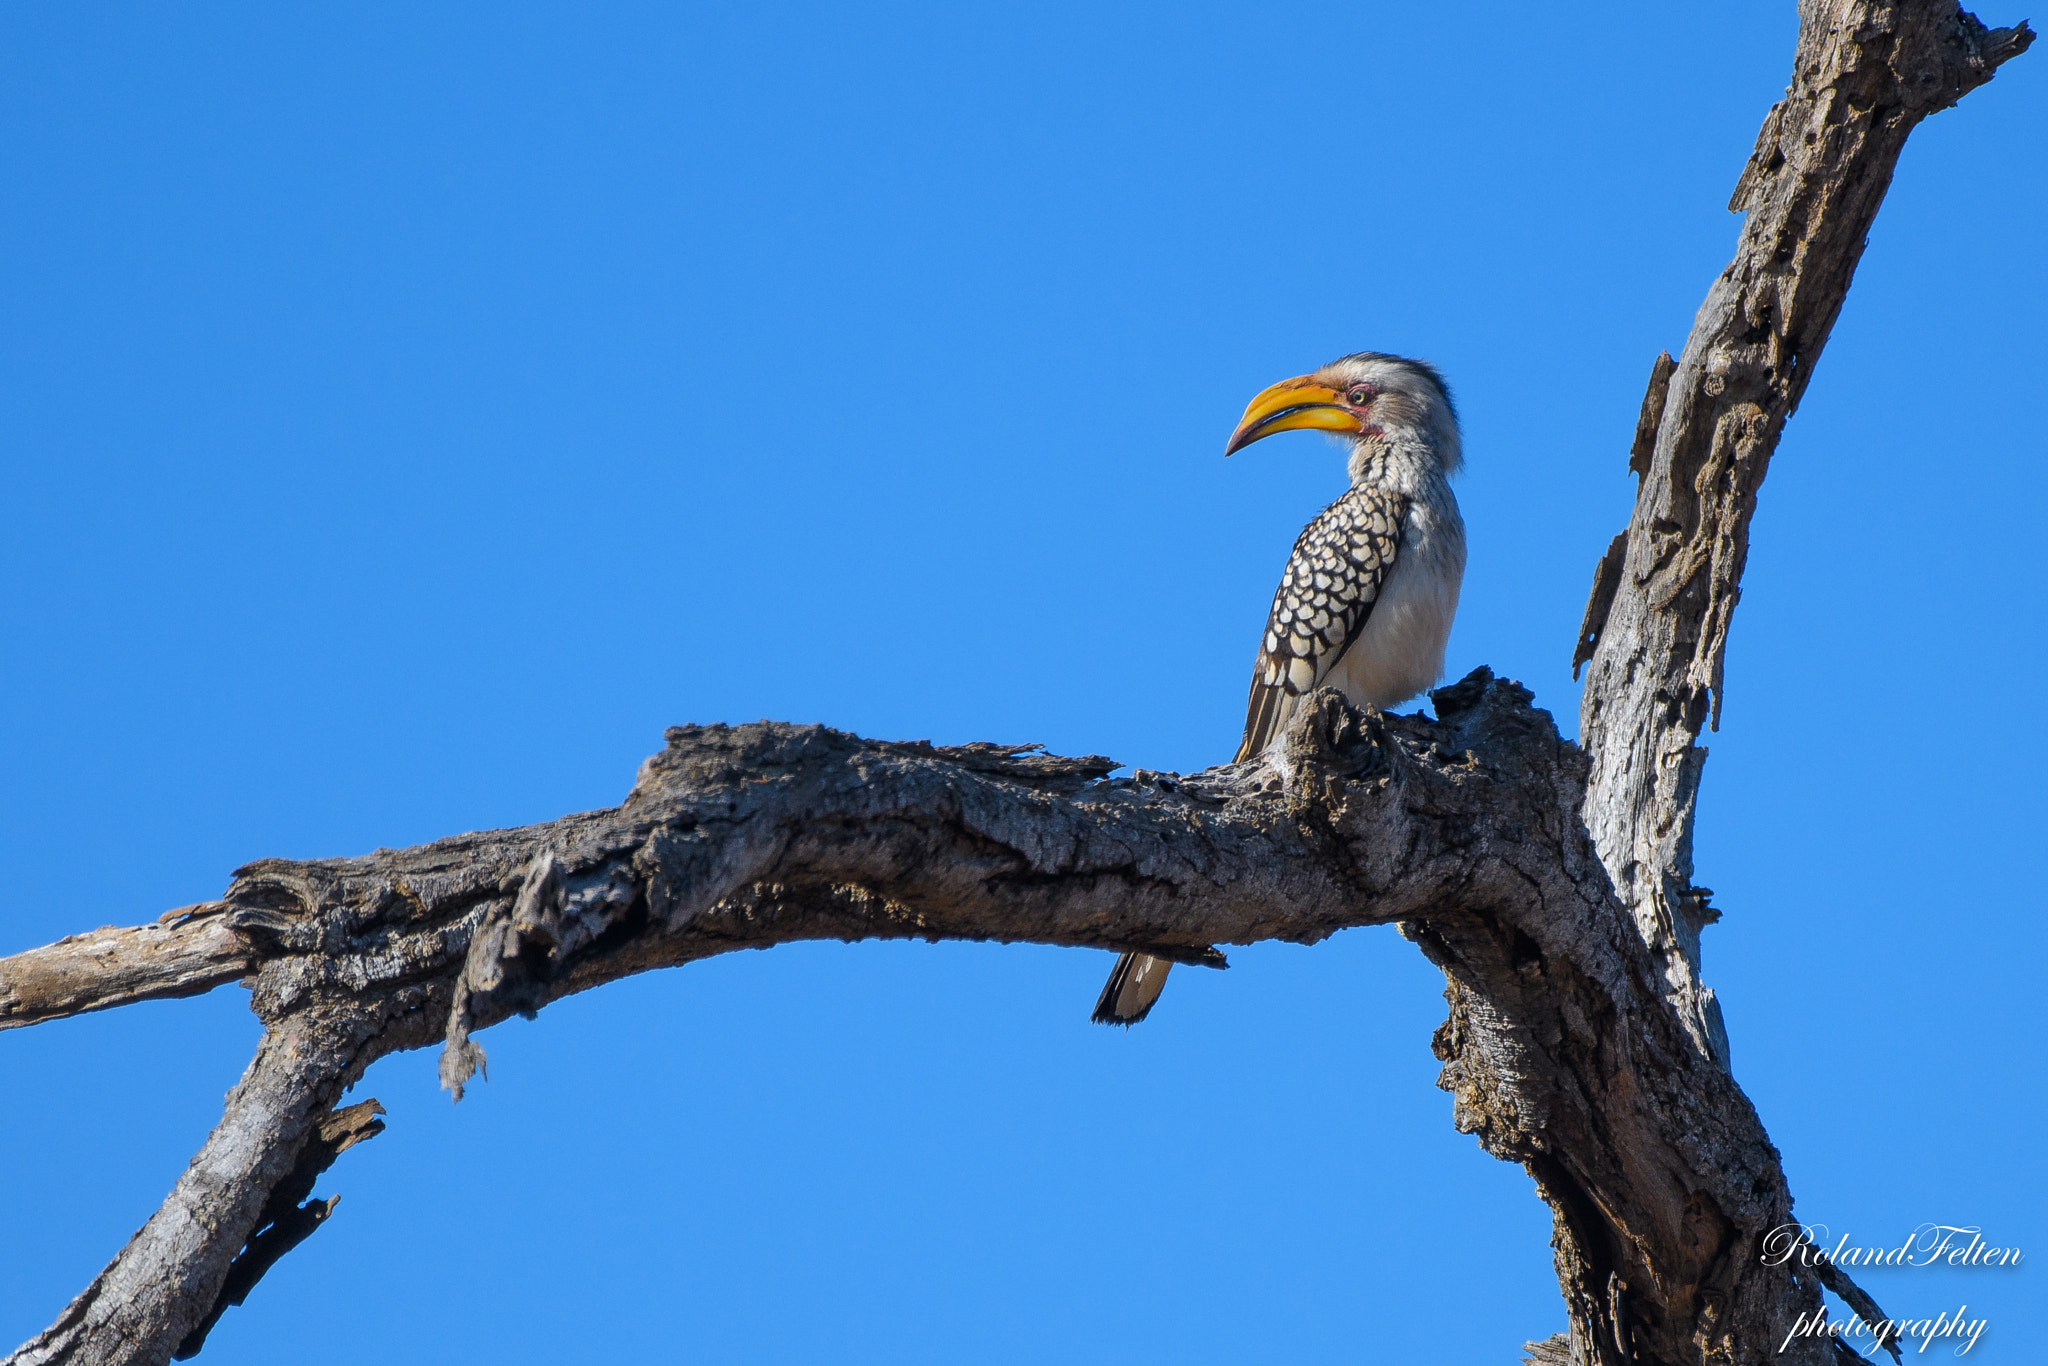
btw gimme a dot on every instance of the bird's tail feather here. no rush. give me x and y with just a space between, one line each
1134 984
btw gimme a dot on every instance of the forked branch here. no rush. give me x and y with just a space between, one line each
1553 886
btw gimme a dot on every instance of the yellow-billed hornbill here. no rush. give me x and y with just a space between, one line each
1366 601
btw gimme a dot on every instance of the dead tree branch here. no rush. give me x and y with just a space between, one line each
1551 884
290 1215
1864 74
189 951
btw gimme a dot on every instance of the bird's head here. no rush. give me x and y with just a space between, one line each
1377 402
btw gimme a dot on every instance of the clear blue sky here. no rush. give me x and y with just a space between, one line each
407 412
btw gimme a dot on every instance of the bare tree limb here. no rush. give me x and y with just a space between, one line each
1864 74
1464 829
757 835
1551 884
161 1284
189 951
290 1215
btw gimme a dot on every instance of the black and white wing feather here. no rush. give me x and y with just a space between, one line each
1339 565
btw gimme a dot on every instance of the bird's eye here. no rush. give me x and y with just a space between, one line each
1359 394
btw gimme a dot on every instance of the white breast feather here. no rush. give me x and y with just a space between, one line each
1401 650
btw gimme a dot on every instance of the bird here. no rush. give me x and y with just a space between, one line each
1366 600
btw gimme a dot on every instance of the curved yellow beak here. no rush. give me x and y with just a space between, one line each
1291 405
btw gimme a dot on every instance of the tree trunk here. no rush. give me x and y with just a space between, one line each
1551 883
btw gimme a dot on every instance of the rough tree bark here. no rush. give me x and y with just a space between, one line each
1551 883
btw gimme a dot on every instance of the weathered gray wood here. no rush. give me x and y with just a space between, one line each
1464 829
189 951
290 1215
751 836
1552 885
1865 73
162 1283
